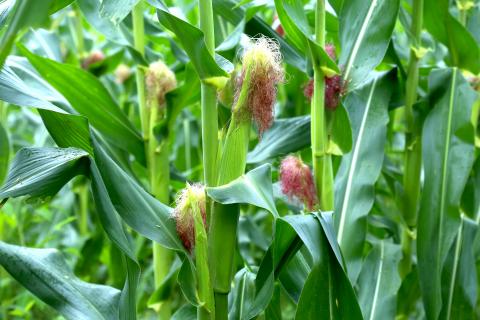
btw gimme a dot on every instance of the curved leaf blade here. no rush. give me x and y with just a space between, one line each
45 273
285 136
254 187
89 97
42 172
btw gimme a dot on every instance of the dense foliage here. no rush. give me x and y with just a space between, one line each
255 159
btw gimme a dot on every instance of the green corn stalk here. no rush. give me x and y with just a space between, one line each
322 161
157 155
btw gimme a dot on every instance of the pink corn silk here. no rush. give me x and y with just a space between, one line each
297 181
185 223
261 99
334 86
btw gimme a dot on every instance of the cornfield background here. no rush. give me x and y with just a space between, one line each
254 159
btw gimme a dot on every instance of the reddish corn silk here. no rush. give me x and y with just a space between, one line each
297 181
189 200
159 80
262 63
94 57
334 86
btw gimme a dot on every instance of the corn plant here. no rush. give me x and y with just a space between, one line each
224 159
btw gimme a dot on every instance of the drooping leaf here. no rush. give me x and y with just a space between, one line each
25 13
89 97
359 169
254 187
46 274
77 127
41 172
337 299
20 85
464 50
448 155
365 31
138 209
285 136
379 281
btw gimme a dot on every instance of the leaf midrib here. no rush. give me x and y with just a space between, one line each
353 165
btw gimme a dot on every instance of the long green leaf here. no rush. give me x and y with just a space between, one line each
365 31
254 187
337 299
138 209
21 85
285 136
45 273
89 97
464 50
41 172
379 281
459 276
448 155
359 169
25 13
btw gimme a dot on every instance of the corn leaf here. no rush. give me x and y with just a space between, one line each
254 187
359 169
365 31
46 274
22 86
24 14
379 281
464 50
448 154
41 172
459 276
90 98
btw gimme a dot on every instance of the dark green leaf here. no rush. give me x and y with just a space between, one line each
138 209
285 136
459 276
22 86
359 169
254 187
45 273
365 31
379 281
41 172
25 13
448 155
464 50
89 97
